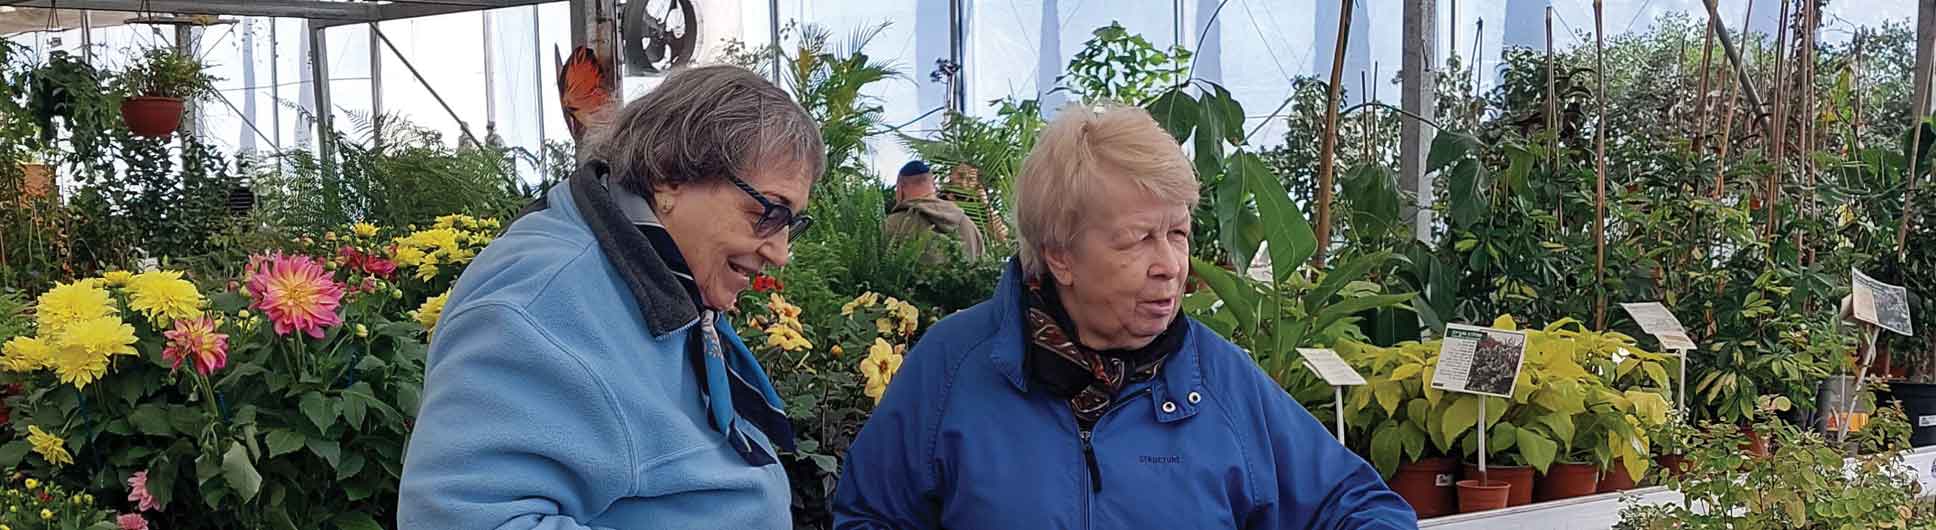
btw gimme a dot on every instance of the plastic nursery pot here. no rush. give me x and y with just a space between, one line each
1615 478
1428 486
1919 402
1477 497
150 116
1565 480
1519 477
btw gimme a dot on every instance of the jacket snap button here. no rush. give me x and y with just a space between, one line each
1169 407
1195 397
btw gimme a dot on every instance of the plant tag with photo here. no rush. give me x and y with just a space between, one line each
1477 360
1329 367
1656 320
1879 303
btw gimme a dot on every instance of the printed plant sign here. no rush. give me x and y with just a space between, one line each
1880 303
1329 367
1656 320
1478 360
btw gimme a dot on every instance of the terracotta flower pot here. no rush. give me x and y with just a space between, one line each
1476 497
153 117
1567 480
1519 477
1675 465
1615 478
1428 486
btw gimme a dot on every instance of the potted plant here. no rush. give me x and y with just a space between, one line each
156 88
1389 418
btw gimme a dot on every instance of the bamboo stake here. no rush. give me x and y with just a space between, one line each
1553 122
1327 153
1778 141
1808 122
1727 118
1701 97
1854 147
1600 169
1363 90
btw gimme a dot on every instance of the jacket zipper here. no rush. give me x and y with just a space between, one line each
1088 435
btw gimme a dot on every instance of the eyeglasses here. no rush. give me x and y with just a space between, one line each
775 217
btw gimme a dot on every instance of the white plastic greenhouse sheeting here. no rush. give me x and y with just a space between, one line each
1600 512
1014 48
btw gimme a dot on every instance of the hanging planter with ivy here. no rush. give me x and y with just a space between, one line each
157 88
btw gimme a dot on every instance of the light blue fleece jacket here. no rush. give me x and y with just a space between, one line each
551 403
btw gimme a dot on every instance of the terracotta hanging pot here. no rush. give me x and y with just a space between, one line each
1428 486
152 117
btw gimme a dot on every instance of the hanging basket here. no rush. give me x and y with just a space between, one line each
152 117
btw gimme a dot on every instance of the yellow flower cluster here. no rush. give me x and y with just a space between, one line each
363 230
163 296
882 362
454 240
786 333
80 331
900 318
431 310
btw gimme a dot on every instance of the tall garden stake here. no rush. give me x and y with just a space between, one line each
1327 153
1778 141
1854 144
1727 116
1809 16
1600 169
1700 96
1553 122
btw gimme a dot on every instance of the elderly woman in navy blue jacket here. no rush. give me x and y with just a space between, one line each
1078 397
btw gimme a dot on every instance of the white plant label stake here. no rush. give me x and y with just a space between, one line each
1335 372
1656 320
1482 361
1875 305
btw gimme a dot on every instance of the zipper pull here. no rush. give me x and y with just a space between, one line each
1089 455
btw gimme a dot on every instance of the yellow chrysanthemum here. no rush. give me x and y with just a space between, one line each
163 296
409 256
117 278
69 303
26 354
85 349
426 271
50 447
363 230
879 368
431 310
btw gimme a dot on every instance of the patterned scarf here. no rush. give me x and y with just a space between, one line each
1091 380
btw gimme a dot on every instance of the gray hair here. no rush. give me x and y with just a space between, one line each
704 123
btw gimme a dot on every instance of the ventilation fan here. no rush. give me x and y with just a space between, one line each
659 35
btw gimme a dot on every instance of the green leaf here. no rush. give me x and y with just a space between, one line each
356 521
161 479
1502 437
240 473
1463 414
1291 239
355 403
1413 439
1561 425
329 450
1448 147
319 410
1343 274
1389 395
352 465
1236 293
1233 114
12 453
1231 195
1657 373
1538 450
1177 112
282 442
151 420
1386 445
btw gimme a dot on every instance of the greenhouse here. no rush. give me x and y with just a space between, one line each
541 264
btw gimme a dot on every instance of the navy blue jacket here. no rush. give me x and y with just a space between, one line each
961 440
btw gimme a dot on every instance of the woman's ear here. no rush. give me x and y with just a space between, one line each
1061 265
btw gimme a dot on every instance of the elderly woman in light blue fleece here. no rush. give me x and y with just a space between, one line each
582 376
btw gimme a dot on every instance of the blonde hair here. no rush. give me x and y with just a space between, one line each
1084 148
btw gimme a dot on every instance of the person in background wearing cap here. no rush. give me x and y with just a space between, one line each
918 209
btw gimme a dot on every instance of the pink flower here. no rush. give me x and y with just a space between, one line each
138 493
295 293
131 521
367 263
196 339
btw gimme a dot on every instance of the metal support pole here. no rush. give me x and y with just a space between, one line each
490 74
325 130
957 96
275 86
87 37
538 77
1418 78
187 43
376 77
773 33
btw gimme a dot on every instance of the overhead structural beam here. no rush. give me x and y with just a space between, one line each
324 13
